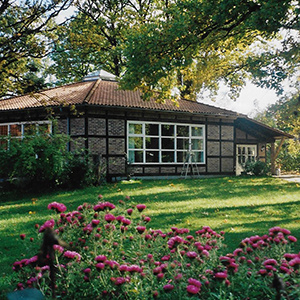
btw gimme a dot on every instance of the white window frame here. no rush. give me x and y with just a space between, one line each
22 124
160 149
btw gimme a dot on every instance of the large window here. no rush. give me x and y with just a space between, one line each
164 143
20 130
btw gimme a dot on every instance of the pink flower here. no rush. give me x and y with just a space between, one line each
109 218
221 275
72 254
100 258
141 207
126 222
168 287
192 289
22 236
100 266
270 261
141 229
58 248
295 262
58 207
292 238
47 224
129 211
191 254
120 281
194 282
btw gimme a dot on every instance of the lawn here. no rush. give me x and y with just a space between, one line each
241 206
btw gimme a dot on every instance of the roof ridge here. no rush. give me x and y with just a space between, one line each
92 91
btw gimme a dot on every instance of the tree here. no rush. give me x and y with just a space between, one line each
209 41
96 37
26 30
285 115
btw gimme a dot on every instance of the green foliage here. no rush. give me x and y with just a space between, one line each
256 168
284 115
26 30
110 252
43 161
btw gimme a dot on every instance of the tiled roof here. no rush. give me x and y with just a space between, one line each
105 93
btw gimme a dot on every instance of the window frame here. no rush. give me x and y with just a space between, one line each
23 124
131 150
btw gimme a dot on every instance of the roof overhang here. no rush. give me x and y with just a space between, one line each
259 130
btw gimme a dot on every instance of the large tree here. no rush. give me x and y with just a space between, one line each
212 40
26 30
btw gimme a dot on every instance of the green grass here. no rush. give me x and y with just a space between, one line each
241 206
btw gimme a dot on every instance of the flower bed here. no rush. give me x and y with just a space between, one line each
106 252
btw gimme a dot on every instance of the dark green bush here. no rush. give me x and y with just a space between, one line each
256 168
43 161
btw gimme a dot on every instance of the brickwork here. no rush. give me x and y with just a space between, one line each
227 165
77 126
227 148
62 126
97 126
213 148
152 170
135 170
213 132
116 165
116 146
168 170
213 165
97 146
77 144
227 132
116 127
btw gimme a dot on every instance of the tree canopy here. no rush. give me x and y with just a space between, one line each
166 47
26 33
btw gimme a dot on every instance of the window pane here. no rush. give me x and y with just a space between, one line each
183 144
135 156
3 130
167 130
167 143
135 143
135 128
29 129
152 143
44 128
197 131
3 144
167 156
151 129
198 156
15 130
152 156
183 131
181 156
197 144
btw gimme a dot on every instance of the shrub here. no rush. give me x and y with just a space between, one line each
106 252
44 161
256 168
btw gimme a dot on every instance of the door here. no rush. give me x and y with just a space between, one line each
244 153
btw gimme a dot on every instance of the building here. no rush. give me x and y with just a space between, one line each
141 138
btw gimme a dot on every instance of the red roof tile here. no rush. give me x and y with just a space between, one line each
104 93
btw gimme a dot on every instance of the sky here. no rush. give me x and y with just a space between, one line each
251 100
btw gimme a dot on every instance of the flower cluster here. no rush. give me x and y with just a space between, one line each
112 250
58 207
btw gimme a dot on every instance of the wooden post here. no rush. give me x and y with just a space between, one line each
274 154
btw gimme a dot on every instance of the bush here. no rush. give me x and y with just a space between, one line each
44 161
256 168
106 252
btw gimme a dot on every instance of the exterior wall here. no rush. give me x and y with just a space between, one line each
220 147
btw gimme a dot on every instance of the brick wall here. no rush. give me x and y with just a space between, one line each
97 126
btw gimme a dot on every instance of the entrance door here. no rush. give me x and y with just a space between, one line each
244 153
